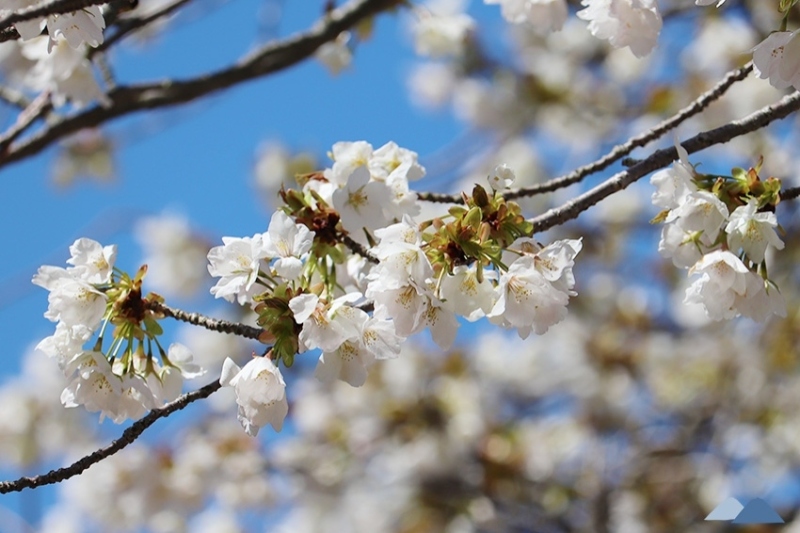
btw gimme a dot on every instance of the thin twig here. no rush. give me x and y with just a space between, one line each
661 158
213 324
39 107
619 151
128 436
128 25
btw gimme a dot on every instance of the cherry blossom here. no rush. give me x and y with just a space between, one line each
361 202
632 23
287 242
501 178
723 277
527 299
441 35
94 261
777 58
753 232
543 15
237 263
260 393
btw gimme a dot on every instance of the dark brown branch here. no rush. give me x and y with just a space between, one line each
268 59
357 248
213 324
619 151
128 436
790 194
662 158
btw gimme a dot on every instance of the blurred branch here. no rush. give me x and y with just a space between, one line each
761 118
268 59
621 150
129 25
128 436
791 193
38 108
14 97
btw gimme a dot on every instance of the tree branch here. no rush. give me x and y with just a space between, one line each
619 151
213 324
129 25
128 436
662 158
268 59
790 194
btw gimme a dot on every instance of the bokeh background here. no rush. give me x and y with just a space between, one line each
635 414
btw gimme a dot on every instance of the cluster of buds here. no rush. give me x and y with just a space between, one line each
125 379
720 227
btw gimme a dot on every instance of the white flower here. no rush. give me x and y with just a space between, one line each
684 247
360 203
760 300
392 161
632 23
723 278
778 58
752 231
380 338
92 261
349 362
700 211
98 388
336 55
237 263
442 35
403 304
78 27
326 326
181 358
672 184
288 242
347 157
65 343
543 15
441 321
708 2
501 178
555 262
71 300
401 257
463 294
63 70
527 299
260 393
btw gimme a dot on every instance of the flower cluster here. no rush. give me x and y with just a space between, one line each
125 381
721 228
347 243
